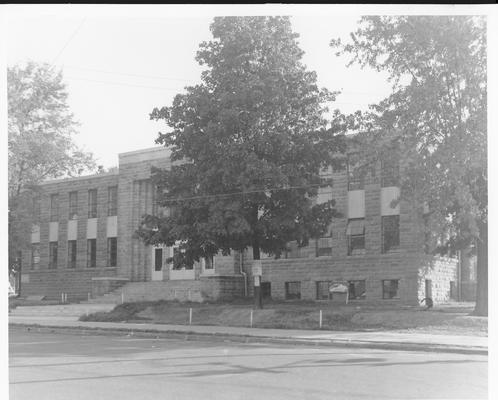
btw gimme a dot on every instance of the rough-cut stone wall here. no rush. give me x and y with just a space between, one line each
440 271
75 282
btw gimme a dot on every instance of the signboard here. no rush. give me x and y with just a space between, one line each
257 268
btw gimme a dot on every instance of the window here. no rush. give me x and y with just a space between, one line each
322 290
52 255
112 251
390 289
35 255
324 247
91 253
112 201
292 290
356 175
36 208
179 261
54 207
71 253
92 203
73 205
390 233
356 290
389 172
209 263
266 290
158 259
355 234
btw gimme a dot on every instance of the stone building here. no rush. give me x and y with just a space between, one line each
83 245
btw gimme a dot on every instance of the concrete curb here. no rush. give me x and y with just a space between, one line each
191 335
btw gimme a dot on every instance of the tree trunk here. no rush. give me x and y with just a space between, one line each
481 307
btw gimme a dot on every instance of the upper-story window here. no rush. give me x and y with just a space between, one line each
390 172
92 203
36 208
112 201
54 207
356 175
356 236
73 205
390 233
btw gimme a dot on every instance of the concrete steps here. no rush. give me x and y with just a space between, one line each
181 290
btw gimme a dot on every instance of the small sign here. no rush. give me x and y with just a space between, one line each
257 268
257 279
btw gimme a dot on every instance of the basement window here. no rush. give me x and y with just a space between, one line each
356 290
322 290
292 290
266 290
390 289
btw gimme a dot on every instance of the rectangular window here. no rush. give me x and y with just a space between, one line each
355 234
208 263
324 247
35 255
112 201
158 259
54 207
389 172
73 205
266 290
322 290
356 175
390 289
91 253
36 208
71 254
356 290
112 252
179 261
390 233
52 255
292 290
92 203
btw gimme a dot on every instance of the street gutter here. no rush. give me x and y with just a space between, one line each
239 338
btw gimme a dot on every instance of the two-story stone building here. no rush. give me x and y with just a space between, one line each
83 245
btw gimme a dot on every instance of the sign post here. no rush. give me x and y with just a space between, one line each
257 271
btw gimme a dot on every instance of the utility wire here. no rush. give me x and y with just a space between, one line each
69 40
246 192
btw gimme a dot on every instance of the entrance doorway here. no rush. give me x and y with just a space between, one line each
157 264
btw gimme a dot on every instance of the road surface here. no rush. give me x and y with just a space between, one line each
68 366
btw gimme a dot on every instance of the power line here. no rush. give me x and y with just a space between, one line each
246 192
69 40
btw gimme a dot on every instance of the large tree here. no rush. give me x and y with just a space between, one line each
250 140
40 139
435 117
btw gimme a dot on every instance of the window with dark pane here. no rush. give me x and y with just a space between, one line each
390 289
91 253
356 290
355 234
390 233
73 205
71 253
112 251
292 290
52 255
112 201
92 203
322 290
54 207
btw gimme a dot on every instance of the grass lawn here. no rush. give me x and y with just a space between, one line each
452 318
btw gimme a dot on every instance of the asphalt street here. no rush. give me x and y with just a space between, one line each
70 366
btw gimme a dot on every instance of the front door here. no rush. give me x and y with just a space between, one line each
157 264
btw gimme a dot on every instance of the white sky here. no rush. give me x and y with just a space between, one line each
118 68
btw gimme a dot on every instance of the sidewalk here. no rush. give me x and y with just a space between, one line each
383 340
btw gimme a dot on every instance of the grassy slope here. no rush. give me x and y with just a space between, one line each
452 319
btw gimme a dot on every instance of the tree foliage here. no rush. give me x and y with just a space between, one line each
40 141
435 116
249 142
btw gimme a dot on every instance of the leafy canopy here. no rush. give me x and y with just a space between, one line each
249 143
40 139
435 117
